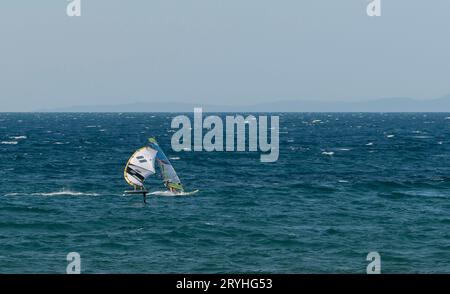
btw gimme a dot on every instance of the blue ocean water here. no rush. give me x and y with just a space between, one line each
345 184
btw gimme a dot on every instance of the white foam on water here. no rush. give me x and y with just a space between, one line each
18 137
331 153
316 121
9 142
65 193
49 194
422 137
390 136
369 144
343 181
344 149
174 158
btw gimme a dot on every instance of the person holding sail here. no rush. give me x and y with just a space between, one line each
141 165
168 186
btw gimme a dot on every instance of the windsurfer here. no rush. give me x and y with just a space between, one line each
171 189
141 165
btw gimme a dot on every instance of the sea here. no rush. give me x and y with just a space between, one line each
345 185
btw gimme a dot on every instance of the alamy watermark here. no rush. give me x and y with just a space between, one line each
374 266
257 129
374 8
74 8
74 265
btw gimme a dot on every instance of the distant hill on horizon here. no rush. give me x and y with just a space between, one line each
378 105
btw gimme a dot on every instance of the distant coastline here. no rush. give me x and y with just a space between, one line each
377 105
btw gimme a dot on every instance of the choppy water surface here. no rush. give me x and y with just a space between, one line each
344 185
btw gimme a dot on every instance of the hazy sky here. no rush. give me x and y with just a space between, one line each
220 51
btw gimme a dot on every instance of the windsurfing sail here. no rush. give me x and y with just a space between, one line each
170 177
140 166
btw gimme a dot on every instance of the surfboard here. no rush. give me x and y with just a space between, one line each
171 194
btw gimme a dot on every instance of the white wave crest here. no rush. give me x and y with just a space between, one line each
65 193
48 194
18 137
9 142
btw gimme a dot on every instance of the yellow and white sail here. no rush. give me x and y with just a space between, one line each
140 166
